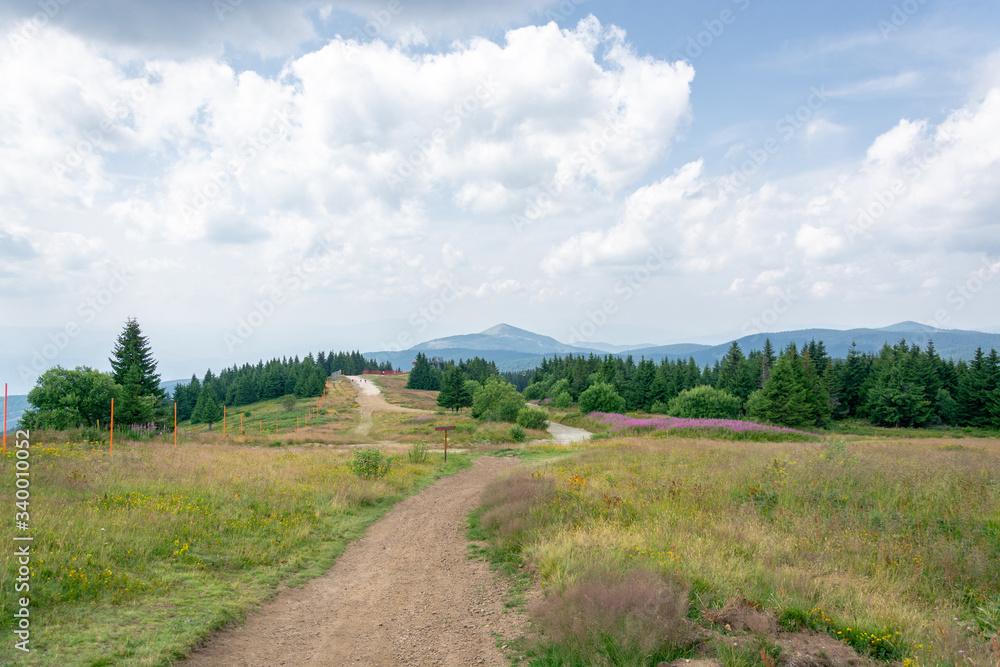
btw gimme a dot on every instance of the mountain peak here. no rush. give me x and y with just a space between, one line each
506 330
908 326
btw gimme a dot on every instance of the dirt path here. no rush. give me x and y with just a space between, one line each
370 399
565 435
404 594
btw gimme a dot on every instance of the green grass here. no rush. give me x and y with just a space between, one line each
139 555
881 543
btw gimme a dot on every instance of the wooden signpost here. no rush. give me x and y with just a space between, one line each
445 429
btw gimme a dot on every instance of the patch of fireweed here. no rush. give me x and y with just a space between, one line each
726 429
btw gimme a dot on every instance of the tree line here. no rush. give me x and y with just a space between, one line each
901 385
201 401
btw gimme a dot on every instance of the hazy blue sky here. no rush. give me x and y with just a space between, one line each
252 179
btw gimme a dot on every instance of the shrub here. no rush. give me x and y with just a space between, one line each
659 408
625 618
497 401
370 463
510 506
563 400
601 397
418 453
705 403
288 403
558 388
517 433
531 418
534 391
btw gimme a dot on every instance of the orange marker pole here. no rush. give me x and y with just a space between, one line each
260 427
112 425
241 423
175 423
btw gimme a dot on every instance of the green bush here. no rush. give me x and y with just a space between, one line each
601 397
531 418
418 453
370 463
705 403
534 391
558 388
517 433
563 400
497 401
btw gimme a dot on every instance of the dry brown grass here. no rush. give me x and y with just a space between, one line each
618 615
510 505
394 388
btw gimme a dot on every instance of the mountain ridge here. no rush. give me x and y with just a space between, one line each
516 349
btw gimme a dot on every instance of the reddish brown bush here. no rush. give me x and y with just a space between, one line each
638 613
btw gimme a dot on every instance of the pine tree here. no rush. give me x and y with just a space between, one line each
784 400
207 410
423 375
454 391
134 368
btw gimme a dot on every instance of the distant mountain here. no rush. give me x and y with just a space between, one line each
514 349
16 405
948 343
613 349
500 337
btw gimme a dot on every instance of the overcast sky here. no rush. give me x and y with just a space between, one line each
251 179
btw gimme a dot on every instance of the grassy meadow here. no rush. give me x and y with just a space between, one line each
891 544
139 555
327 419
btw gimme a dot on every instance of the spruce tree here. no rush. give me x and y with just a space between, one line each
454 392
423 375
134 368
207 410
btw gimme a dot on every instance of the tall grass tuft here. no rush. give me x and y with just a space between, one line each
607 617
